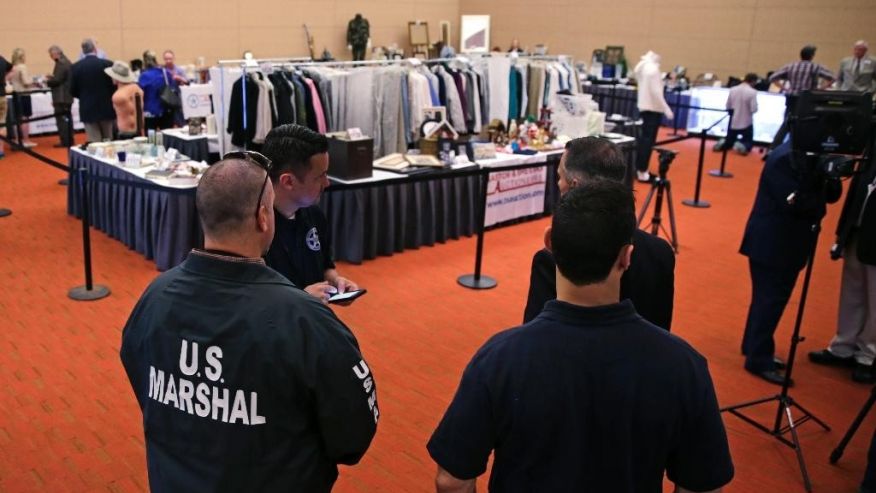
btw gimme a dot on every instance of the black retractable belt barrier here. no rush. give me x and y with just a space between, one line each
89 291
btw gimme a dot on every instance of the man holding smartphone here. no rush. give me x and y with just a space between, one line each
301 249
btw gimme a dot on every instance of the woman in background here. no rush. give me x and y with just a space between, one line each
152 81
21 83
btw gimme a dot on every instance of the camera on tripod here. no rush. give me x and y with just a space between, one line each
665 158
833 129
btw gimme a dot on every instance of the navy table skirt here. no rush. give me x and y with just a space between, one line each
158 222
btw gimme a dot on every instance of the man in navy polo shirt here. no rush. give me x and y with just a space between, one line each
302 249
588 396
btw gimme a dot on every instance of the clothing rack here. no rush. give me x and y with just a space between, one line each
244 63
302 62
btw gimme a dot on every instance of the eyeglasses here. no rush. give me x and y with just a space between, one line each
259 160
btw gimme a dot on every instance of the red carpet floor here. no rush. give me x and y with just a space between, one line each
69 422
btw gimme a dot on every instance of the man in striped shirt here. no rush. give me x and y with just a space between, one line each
800 76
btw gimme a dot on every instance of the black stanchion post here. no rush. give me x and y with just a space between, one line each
88 292
476 280
696 202
71 132
722 173
68 117
16 105
675 113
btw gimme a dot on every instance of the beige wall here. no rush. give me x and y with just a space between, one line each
213 29
728 37
723 36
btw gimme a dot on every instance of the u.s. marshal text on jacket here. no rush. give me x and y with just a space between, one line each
245 382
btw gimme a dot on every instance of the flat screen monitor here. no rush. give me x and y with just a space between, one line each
767 120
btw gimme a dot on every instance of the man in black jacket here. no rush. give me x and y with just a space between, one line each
245 382
94 89
650 281
791 198
855 340
62 100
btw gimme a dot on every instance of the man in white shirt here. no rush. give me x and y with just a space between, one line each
858 72
652 107
742 100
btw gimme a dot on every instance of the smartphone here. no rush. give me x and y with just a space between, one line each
348 296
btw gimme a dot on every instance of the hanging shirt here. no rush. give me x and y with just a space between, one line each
463 97
317 107
406 108
242 131
536 86
513 101
453 102
498 68
524 93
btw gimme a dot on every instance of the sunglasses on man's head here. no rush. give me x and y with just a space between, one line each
259 160
254 157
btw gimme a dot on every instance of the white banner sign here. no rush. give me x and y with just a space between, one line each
515 194
196 100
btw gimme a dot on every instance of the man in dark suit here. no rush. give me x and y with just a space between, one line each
778 240
650 281
94 88
855 342
62 100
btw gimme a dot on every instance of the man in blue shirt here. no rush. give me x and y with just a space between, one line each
588 396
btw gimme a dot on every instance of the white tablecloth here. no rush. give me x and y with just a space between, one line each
42 106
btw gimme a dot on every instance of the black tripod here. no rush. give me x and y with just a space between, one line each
658 186
785 401
841 447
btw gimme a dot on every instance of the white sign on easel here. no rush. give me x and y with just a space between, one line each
196 102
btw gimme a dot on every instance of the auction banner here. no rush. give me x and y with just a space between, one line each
515 194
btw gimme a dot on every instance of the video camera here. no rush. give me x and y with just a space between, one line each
835 127
665 158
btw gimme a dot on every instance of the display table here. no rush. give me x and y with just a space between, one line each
620 99
197 147
159 222
385 214
41 103
390 213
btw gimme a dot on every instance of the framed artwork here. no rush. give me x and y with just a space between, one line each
614 54
419 33
474 34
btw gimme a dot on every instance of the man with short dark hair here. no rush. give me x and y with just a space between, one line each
94 89
588 396
742 100
302 248
245 383
800 76
650 281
